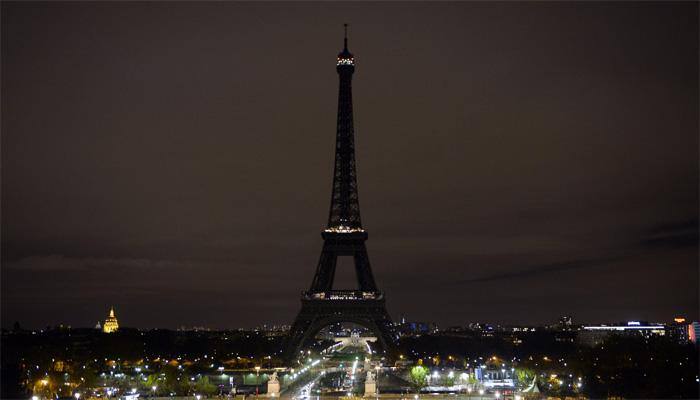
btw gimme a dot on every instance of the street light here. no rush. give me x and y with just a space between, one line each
257 380
154 389
377 387
77 395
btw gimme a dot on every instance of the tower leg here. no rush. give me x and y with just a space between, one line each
318 314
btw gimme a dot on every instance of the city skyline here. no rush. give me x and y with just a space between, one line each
516 162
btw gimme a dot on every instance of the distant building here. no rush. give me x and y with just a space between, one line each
678 330
111 324
417 328
98 326
492 377
565 323
595 334
184 328
694 333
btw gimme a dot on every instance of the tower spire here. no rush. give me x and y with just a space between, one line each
345 41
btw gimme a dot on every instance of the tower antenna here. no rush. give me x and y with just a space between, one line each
345 26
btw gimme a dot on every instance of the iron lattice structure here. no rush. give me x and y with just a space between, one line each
344 236
345 204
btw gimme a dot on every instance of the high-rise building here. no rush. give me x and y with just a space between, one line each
678 330
694 332
111 324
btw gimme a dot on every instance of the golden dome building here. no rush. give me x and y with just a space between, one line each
111 324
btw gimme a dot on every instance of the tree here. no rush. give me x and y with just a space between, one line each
447 380
171 379
205 387
524 375
419 377
45 388
87 378
150 381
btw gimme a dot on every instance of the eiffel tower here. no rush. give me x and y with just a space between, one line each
322 306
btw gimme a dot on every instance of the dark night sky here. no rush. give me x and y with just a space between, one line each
516 161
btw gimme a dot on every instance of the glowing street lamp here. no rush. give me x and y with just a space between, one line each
77 396
377 388
257 380
435 376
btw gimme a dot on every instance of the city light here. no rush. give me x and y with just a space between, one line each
626 358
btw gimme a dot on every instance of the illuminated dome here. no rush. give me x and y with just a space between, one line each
111 323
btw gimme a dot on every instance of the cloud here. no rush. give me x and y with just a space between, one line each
58 262
674 235
536 270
